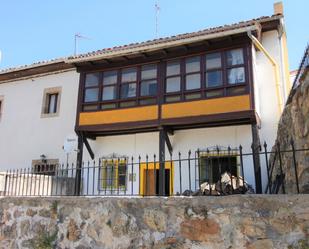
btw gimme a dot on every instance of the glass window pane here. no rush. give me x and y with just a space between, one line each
92 79
236 90
213 79
52 103
148 87
149 72
128 74
128 90
193 64
110 77
91 94
108 106
235 57
214 93
213 61
236 75
148 101
109 92
127 104
172 68
193 96
193 81
172 98
173 84
90 107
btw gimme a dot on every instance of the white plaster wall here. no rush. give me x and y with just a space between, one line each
24 135
266 85
182 141
266 99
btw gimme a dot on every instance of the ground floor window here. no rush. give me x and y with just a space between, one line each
45 166
211 167
113 174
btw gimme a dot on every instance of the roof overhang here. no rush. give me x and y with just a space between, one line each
164 45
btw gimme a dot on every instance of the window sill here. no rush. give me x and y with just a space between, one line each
49 115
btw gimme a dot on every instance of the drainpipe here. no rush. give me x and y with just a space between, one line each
275 67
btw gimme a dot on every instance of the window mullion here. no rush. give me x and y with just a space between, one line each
182 78
224 72
100 89
138 84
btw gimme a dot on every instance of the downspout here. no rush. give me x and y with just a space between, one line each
275 67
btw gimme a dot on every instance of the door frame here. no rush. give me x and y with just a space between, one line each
143 167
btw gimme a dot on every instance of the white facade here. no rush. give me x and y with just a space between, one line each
25 134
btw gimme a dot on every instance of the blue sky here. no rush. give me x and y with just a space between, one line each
35 30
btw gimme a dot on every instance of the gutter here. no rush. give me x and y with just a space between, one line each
275 67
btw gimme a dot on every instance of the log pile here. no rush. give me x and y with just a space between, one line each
227 185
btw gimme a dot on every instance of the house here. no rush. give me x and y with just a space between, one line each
201 91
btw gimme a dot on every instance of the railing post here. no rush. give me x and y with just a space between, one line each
242 165
189 175
267 168
79 164
256 158
281 170
295 165
180 177
162 162
132 174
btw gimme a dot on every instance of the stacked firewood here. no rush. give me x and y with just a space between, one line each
227 185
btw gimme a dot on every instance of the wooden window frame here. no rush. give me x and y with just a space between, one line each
137 99
161 81
214 155
114 164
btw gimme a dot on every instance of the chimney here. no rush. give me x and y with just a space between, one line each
278 8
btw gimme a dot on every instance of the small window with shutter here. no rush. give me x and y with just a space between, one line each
51 102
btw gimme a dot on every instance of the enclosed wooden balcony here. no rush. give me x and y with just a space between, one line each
186 88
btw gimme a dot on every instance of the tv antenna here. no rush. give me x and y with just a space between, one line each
78 36
157 9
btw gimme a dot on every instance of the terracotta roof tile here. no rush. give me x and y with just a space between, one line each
212 30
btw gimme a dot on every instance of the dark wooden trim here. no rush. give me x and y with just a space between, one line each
54 67
162 142
79 97
88 147
161 81
79 162
168 142
215 120
256 145
175 53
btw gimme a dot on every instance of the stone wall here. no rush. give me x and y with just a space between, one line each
280 221
294 124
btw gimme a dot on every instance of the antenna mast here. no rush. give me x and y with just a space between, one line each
76 37
157 9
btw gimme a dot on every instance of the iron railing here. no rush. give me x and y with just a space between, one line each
214 171
302 67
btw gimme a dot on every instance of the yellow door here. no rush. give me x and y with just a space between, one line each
149 178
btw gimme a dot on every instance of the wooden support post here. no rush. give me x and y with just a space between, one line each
162 162
168 142
79 162
88 147
256 158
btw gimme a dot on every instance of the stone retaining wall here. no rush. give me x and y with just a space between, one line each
278 221
294 124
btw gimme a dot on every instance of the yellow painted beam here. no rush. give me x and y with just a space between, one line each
206 107
133 114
